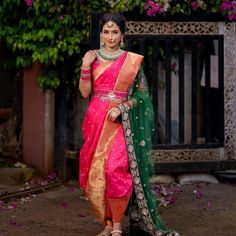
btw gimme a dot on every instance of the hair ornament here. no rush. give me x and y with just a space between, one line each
110 24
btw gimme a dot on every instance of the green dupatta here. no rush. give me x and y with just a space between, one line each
138 125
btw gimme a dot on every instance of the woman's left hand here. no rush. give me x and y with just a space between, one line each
113 113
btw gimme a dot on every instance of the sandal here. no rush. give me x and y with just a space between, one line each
116 231
106 232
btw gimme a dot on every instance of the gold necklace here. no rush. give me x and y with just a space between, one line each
111 56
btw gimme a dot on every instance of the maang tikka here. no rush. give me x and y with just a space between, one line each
110 24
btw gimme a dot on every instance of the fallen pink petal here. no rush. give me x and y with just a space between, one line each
82 215
65 204
71 189
14 223
52 176
209 204
12 206
166 194
198 194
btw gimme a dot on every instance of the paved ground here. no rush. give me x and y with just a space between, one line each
199 210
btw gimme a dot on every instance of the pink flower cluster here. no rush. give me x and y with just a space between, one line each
153 7
29 3
195 5
229 7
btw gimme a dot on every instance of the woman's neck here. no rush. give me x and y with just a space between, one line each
111 49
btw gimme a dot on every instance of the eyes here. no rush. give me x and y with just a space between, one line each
112 31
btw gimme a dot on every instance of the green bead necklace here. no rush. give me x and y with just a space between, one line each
111 56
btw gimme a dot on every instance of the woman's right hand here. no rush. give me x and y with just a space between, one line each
89 58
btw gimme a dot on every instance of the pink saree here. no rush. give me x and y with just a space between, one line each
104 168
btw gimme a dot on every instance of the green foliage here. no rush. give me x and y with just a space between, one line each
49 79
51 31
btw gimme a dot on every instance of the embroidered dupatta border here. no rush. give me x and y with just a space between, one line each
149 225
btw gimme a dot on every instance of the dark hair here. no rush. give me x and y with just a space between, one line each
117 18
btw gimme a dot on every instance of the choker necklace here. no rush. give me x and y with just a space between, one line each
111 56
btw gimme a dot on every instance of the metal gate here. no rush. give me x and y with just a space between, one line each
190 76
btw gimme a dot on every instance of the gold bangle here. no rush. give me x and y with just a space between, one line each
85 75
85 68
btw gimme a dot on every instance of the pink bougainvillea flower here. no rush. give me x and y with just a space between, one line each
198 194
209 204
232 16
12 206
229 8
65 204
195 5
71 189
177 189
52 176
171 199
14 223
152 8
226 5
166 195
29 3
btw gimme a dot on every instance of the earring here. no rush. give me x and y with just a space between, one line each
101 43
122 45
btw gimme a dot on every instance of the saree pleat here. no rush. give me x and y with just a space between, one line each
103 144
96 183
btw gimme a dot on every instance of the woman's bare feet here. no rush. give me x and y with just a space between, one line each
106 232
116 229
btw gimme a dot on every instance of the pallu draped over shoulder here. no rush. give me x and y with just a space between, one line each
114 158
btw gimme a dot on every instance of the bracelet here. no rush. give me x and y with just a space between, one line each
85 79
131 103
85 71
85 75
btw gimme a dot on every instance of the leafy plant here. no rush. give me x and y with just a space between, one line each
52 31
48 31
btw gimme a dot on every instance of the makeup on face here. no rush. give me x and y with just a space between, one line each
111 36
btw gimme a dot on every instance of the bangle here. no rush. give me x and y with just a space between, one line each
86 70
85 79
131 103
83 71
85 75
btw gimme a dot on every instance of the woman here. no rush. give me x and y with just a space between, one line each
113 159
